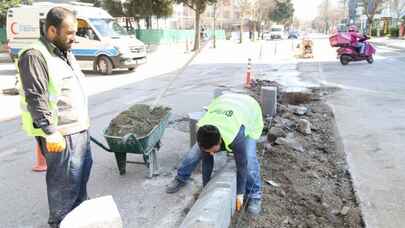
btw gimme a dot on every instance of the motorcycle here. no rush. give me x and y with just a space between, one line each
348 53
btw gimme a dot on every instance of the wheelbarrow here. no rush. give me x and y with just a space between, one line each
147 145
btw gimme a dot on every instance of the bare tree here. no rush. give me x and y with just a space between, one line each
371 8
245 10
198 6
398 7
262 10
330 14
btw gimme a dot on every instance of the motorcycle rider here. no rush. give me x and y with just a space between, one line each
355 36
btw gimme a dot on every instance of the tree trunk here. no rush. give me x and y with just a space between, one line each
369 25
157 22
254 31
197 31
148 22
241 30
127 24
131 27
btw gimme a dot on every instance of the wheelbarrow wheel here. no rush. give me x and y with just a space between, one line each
121 162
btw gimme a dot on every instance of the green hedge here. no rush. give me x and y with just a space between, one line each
220 34
165 36
374 32
3 35
158 36
394 32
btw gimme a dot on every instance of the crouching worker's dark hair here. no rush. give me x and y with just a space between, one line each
208 136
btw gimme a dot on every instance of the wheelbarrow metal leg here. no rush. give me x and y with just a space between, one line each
155 159
153 169
151 161
121 162
155 163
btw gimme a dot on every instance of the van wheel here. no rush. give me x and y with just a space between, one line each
131 68
103 65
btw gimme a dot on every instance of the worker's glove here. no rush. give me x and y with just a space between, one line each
55 143
239 202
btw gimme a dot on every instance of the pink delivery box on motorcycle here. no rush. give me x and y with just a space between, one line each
340 40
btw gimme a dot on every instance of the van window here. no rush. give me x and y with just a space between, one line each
84 30
108 27
276 29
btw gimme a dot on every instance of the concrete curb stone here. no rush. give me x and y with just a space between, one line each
216 203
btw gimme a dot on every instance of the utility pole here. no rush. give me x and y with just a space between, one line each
215 17
352 11
326 16
345 11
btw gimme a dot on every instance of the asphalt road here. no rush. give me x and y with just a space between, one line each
370 115
141 202
369 110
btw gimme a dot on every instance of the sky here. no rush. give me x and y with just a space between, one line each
306 9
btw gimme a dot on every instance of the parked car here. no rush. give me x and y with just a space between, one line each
293 35
266 36
276 32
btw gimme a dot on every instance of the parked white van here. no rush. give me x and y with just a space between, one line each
100 41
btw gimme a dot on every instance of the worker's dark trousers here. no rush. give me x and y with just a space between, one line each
67 175
252 187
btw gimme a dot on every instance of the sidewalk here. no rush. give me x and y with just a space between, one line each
4 57
393 43
164 59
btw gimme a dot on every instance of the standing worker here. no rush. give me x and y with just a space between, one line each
55 112
233 122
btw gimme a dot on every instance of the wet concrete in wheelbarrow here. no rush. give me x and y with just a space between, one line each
139 120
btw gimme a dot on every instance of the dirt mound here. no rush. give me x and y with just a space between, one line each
304 173
139 120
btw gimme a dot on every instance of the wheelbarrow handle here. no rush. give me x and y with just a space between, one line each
99 144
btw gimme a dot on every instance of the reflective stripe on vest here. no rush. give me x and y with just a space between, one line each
229 112
66 98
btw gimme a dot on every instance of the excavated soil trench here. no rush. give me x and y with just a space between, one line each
305 178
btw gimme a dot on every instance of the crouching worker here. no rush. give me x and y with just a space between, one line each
232 123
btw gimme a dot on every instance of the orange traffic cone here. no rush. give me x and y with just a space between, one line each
40 162
249 75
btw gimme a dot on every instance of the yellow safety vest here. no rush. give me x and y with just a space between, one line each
229 112
67 100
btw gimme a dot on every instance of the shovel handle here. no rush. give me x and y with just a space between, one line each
99 144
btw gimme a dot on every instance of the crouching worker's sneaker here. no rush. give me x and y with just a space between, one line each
254 206
174 186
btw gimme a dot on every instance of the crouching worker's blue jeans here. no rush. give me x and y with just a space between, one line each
252 186
67 175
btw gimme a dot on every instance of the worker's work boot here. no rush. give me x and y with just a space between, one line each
254 206
175 185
